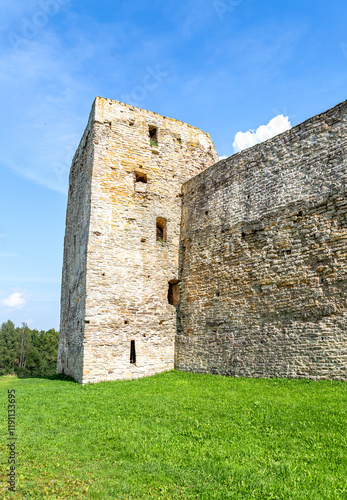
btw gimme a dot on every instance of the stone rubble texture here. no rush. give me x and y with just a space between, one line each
256 243
263 266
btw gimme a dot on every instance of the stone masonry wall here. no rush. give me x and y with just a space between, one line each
73 290
264 258
134 182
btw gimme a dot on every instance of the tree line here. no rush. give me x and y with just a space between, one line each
27 352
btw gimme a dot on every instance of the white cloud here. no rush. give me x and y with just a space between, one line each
14 301
277 125
223 157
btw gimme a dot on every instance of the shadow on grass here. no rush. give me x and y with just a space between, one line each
60 377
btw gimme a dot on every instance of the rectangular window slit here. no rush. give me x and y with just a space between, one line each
173 293
153 135
141 177
132 352
161 229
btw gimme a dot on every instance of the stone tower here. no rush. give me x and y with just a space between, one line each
121 249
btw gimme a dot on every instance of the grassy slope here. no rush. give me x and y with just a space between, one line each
178 436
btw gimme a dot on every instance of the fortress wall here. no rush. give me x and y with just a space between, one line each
73 290
128 270
264 258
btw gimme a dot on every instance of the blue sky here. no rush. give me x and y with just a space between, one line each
225 66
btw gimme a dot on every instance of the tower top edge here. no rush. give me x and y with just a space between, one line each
130 107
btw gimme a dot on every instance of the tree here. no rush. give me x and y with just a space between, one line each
8 347
27 352
24 339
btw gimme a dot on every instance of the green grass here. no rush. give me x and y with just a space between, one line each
178 436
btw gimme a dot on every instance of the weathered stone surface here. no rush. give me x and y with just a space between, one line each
117 274
263 258
73 293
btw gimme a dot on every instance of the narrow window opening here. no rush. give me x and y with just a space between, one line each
132 352
173 293
153 135
161 229
74 240
159 233
140 182
141 177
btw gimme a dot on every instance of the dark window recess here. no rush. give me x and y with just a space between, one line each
173 293
153 135
161 229
141 177
132 352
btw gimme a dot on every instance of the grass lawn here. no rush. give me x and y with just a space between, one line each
177 436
